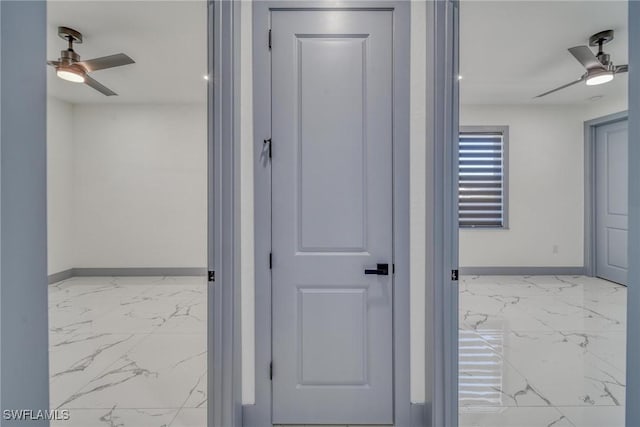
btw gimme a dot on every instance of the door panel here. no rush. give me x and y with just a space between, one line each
332 217
346 363
612 201
331 135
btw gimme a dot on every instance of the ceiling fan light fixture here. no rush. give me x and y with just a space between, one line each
599 77
600 69
70 74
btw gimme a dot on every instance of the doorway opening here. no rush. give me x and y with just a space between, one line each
127 211
542 210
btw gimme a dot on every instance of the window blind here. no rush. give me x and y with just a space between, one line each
481 179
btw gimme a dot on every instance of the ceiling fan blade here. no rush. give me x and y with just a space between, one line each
585 56
111 61
53 63
561 87
621 69
98 86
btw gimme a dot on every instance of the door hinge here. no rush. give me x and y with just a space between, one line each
267 142
454 275
269 39
270 370
270 260
211 276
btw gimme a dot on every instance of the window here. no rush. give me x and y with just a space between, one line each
482 177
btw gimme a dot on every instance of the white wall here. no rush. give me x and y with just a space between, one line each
546 168
546 186
60 246
605 107
139 193
126 186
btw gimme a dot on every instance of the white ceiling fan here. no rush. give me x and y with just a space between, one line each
599 67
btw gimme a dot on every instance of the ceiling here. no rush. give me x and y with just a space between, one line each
511 51
167 39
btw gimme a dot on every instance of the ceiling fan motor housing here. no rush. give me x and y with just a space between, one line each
69 56
605 59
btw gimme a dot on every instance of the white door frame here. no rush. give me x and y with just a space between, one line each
441 332
224 380
259 414
590 127
441 262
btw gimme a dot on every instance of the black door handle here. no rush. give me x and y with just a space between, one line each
381 270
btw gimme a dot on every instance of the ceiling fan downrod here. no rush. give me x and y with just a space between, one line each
600 39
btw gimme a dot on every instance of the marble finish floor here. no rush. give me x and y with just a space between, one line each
129 351
542 351
534 351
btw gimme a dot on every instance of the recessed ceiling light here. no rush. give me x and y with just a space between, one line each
206 77
459 77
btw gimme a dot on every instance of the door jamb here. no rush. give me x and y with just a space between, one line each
223 220
590 127
442 114
259 414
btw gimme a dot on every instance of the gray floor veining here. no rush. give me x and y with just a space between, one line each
542 351
129 351
534 351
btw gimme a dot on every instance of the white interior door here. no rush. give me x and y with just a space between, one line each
612 201
332 217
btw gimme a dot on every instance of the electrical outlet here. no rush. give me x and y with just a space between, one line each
554 249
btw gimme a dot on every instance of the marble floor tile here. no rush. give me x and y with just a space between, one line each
86 288
542 350
611 347
563 369
197 398
487 380
594 416
491 312
160 372
188 317
564 314
534 351
129 351
145 316
78 358
115 417
190 417
514 417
